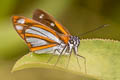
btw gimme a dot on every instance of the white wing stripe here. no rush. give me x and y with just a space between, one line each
49 35
36 42
18 27
34 32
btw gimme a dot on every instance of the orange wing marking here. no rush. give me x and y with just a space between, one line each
61 28
65 38
42 47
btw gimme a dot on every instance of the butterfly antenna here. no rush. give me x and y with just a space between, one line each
94 29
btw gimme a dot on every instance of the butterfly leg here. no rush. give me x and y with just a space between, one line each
77 55
52 55
84 61
78 61
60 55
75 52
69 59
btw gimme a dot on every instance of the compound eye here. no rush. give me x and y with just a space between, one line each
71 42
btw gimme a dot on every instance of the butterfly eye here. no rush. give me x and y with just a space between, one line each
71 42
21 21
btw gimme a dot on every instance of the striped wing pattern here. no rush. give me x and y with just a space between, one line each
38 37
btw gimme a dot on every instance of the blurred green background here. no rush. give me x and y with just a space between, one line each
78 16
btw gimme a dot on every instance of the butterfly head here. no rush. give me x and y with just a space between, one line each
74 40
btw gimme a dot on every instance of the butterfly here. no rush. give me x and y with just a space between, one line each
43 34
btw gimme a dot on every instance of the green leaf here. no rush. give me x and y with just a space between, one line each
102 60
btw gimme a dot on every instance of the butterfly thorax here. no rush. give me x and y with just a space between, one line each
73 43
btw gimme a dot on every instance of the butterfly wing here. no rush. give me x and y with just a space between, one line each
46 19
38 37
